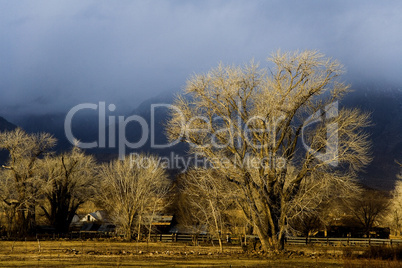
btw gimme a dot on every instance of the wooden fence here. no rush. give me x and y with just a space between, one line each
325 241
180 238
202 238
349 241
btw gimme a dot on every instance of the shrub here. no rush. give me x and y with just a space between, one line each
383 252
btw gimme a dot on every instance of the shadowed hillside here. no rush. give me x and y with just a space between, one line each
5 126
384 103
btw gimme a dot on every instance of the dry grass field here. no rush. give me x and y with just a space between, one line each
66 253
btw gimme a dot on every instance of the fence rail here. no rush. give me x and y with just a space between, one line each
332 241
180 238
324 241
328 241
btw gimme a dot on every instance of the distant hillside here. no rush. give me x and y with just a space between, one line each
385 105
5 126
85 127
384 102
52 123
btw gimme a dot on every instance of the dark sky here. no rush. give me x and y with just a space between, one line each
56 54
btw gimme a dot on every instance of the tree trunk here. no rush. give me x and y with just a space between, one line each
139 229
25 221
218 231
264 239
271 240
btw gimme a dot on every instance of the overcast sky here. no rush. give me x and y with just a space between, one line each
56 54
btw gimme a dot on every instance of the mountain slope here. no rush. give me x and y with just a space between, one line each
385 105
384 102
5 126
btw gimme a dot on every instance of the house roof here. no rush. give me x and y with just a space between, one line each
99 215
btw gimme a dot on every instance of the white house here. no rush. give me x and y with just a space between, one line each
99 216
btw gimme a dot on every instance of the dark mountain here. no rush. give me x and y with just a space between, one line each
155 112
384 102
5 126
84 127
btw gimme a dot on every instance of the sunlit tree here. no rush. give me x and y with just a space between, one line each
22 176
252 124
208 200
395 209
129 190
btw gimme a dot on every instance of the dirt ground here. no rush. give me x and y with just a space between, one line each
66 253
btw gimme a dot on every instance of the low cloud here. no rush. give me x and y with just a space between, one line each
55 55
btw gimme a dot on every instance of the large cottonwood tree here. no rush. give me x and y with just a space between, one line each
69 180
274 134
22 176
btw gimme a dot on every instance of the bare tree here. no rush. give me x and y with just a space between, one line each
161 199
129 189
318 200
248 122
8 206
369 209
184 212
210 199
70 181
394 217
22 174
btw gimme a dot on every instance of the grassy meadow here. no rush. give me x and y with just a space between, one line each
107 253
